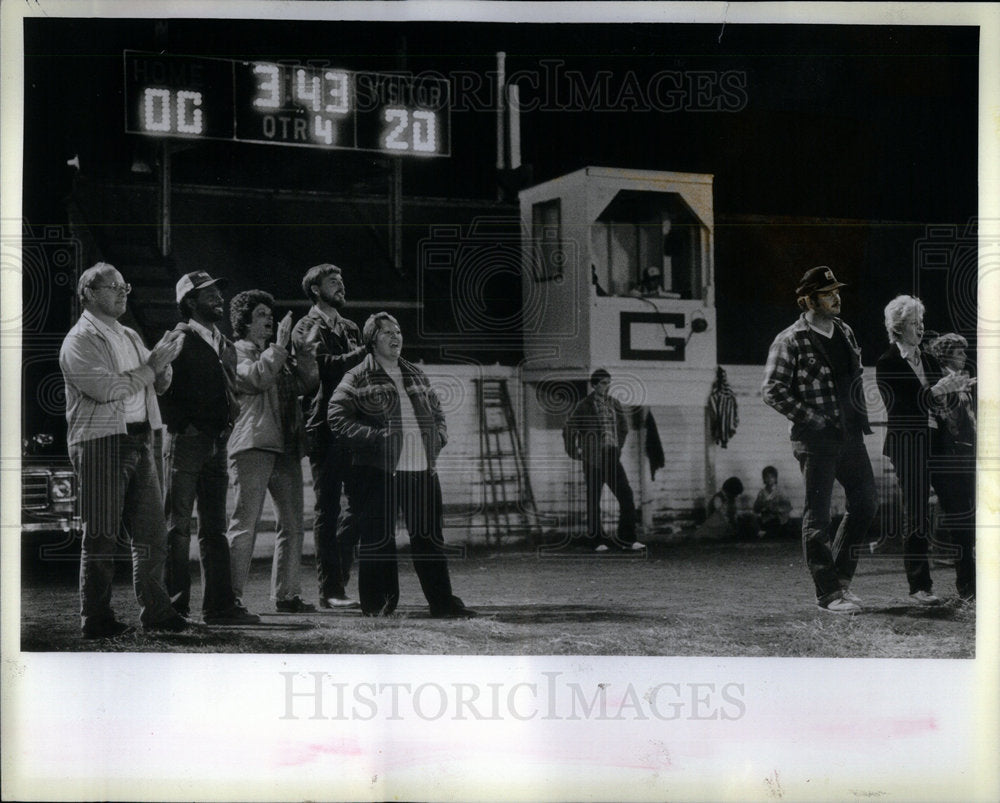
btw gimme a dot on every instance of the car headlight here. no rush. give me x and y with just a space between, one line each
62 487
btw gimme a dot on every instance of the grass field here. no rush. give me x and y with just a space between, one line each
720 599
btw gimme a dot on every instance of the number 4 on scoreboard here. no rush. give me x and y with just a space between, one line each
323 130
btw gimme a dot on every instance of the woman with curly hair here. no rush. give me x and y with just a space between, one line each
954 475
267 444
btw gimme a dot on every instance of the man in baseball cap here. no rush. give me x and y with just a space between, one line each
199 409
817 280
196 280
812 377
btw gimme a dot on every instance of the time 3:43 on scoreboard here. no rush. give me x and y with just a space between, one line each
279 103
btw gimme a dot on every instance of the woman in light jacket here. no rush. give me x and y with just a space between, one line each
267 444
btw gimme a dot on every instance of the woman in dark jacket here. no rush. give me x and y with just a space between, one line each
390 420
954 475
913 389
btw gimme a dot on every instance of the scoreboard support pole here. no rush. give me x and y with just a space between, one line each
396 213
396 186
164 200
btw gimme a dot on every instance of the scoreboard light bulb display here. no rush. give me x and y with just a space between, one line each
165 111
191 97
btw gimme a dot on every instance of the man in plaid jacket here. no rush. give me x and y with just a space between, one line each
813 378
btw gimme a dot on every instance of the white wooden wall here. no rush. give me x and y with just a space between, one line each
693 472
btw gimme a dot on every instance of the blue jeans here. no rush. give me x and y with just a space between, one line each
120 492
195 467
255 472
824 459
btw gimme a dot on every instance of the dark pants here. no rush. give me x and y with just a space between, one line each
954 481
334 526
910 462
608 470
824 460
195 467
418 495
120 492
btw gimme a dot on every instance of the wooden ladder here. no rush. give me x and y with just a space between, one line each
508 503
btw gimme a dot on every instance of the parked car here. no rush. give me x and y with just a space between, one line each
50 514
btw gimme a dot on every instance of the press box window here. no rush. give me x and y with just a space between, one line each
548 256
642 230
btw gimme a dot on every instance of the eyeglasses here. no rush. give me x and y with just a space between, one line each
117 287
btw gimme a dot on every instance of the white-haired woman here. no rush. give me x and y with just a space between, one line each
913 388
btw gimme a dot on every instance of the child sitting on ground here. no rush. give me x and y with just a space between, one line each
772 507
729 514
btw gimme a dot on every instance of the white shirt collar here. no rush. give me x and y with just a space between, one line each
909 353
210 336
108 329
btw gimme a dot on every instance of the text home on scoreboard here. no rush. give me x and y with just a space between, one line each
193 97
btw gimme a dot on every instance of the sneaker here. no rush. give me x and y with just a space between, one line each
342 601
924 598
840 605
850 596
601 548
294 605
635 546
236 615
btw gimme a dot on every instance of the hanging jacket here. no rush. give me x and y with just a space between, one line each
723 411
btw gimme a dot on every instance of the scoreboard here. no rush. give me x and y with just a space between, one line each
281 103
